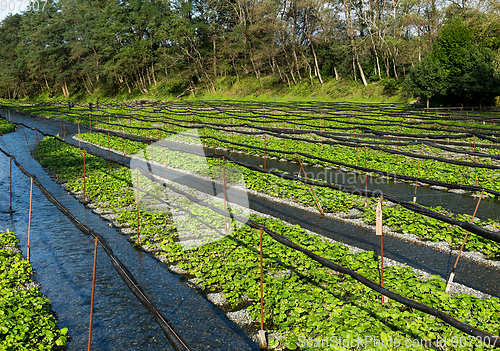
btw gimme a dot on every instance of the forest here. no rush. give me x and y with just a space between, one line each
432 48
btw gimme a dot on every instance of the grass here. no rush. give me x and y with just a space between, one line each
268 89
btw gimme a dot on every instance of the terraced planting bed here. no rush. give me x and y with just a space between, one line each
305 302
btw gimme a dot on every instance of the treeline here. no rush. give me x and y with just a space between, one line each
174 47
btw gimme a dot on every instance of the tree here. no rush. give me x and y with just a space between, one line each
427 79
458 68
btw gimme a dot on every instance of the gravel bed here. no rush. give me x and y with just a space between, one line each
217 299
241 317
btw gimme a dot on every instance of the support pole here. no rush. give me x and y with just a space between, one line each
79 135
55 152
418 174
366 184
452 274
10 180
29 219
92 294
265 151
262 333
475 168
379 231
84 190
224 190
137 205
25 137
109 155
312 189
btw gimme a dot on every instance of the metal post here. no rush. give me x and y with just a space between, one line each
92 294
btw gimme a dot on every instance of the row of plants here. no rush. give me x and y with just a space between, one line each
399 218
301 298
6 126
429 169
26 318
381 120
348 155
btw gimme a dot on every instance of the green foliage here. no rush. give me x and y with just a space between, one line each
6 126
26 321
458 69
427 79
302 298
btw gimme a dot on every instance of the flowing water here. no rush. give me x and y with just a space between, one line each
62 257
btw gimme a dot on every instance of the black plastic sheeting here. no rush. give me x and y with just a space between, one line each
168 329
280 133
490 235
472 228
364 169
466 328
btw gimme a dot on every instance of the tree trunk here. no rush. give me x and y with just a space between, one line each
316 62
360 68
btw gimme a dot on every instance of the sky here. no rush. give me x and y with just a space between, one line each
12 6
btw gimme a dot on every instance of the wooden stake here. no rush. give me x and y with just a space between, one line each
137 205
475 168
265 151
29 219
10 179
452 274
379 231
55 149
92 294
262 332
27 141
109 155
224 190
366 183
84 196
418 174
310 186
